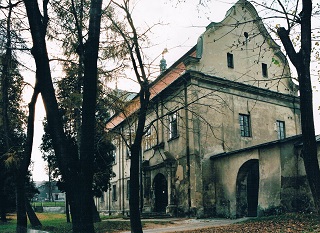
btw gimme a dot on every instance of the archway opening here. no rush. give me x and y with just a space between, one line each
161 193
248 189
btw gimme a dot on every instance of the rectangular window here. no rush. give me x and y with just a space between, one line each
128 189
173 125
102 198
230 60
264 70
147 187
148 139
128 153
114 155
244 121
281 129
114 192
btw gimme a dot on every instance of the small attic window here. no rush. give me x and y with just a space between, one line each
230 60
246 35
264 70
199 48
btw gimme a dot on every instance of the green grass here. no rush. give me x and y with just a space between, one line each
9 226
56 223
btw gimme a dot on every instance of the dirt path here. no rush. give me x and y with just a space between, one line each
182 225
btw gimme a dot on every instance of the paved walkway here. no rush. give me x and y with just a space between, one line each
36 231
182 225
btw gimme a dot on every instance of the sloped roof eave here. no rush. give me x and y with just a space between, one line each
225 154
154 83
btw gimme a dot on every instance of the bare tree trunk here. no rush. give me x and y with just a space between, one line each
21 205
34 220
3 214
301 61
135 218
88 121
5 74
67 208
23 167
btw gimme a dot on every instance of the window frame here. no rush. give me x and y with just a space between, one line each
114 155
245 125
281 129
102 197
173 125
230 60
114 192
264 68
148 139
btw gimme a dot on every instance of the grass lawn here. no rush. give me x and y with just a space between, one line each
56 223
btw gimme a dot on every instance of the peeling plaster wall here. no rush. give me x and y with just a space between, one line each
295 190
270 177
282 185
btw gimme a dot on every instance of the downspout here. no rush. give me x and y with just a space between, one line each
141 184
109 201
187 145
295 115
123 152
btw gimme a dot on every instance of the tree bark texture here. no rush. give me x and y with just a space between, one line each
21 204
3 209
5 75
23 167
135 218
301 61
34 220
88 122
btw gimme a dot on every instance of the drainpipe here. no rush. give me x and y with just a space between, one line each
121 159
141 183
187 146
295 115
109 201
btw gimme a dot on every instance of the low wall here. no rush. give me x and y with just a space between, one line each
60 210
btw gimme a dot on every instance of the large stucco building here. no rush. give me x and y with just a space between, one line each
225 125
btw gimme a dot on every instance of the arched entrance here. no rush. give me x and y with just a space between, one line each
248 189
161 193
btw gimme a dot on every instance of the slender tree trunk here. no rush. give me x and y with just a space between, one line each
82 197
301 61
23 166
135 218
21 205
3 214
5 75
66 162
67 208
34 220
309 151
95 213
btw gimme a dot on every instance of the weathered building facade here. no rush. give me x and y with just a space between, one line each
220 130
